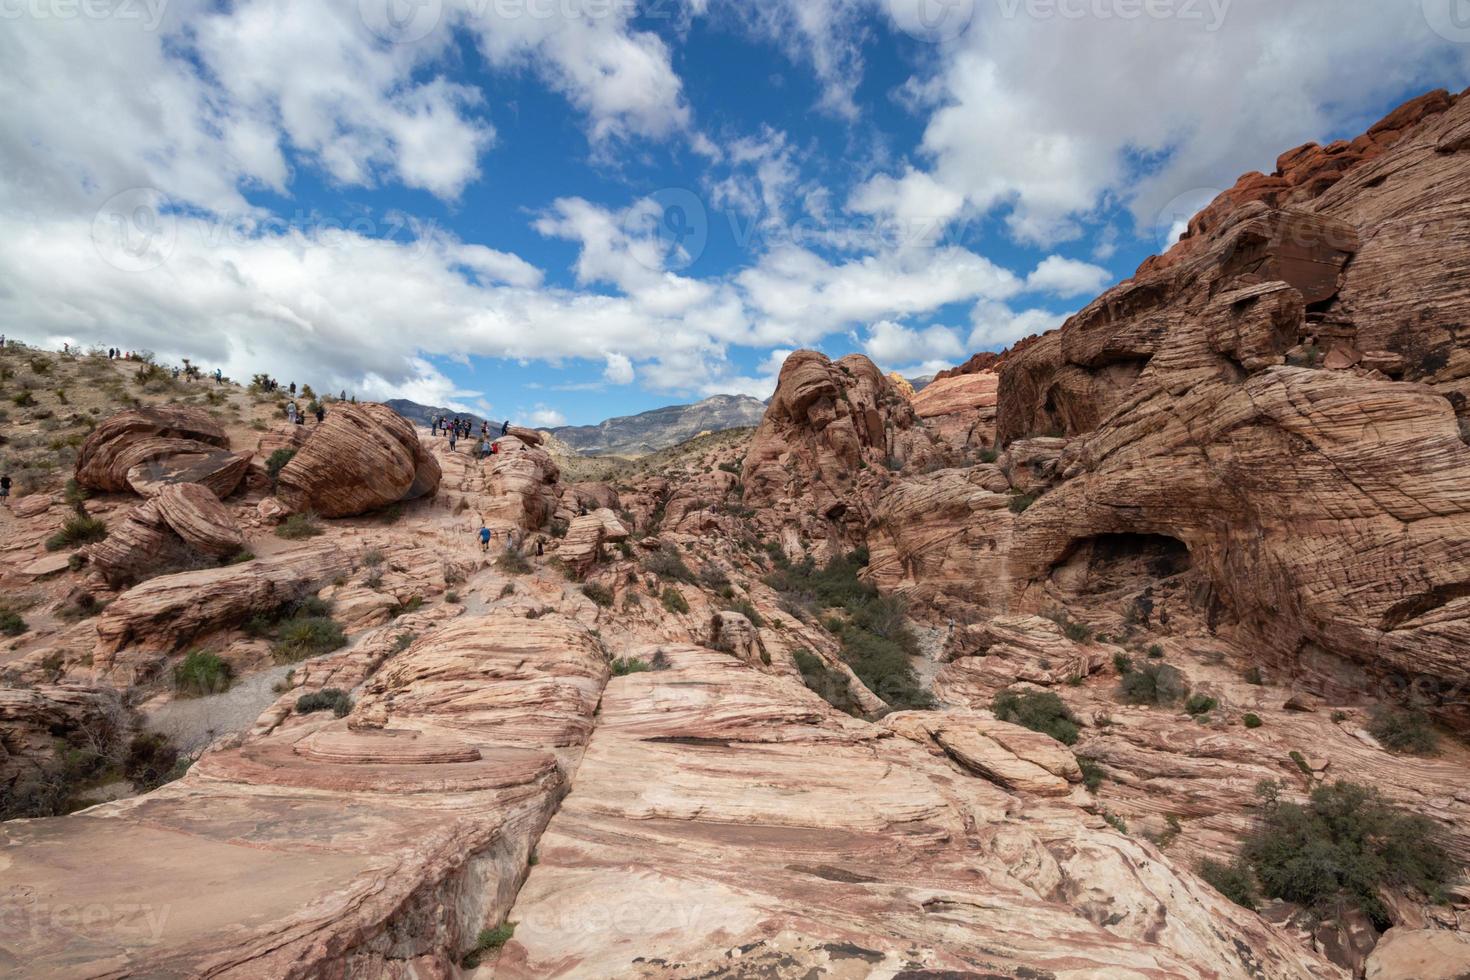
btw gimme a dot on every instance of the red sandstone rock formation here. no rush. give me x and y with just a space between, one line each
142 450
362 458
1327 508
184 525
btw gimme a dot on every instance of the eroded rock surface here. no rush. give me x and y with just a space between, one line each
362 458
145 449
184 525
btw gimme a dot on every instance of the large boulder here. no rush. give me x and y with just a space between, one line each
582 547
362 458
184 526
521 481
145 449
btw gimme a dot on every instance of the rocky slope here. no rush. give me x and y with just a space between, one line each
752 709
647 432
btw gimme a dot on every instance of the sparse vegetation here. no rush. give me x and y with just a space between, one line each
327 699
306 635
201 674
1155 684
11 623
1200 704
1252 721
1093 774
1346 842
825 682
1021 502
674 600
623 666
1040 711
1233 880
298 526
489 941
598 594
78 530
1403 730
1122 663
277 462
512 563
668 565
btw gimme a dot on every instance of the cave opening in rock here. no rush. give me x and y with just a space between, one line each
1107 563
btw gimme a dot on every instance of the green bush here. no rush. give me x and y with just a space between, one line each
489 941
668 565
307 636
1233 880
598 594
277 462
623 666
674 600
746 609
201 674
1201 704
330 699
1040 711
151 761
1405 731
828 684
1252 721
1346 842
297 527
1122 663
1156 652
1093 774
1021 502
1155 683
11 623
79 529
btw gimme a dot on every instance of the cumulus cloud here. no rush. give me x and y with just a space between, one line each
1067 277
542 417
996 325
890 344
619 370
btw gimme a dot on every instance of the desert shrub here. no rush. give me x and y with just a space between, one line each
452 598
623 666
558 529
1338 717
76 495
373 558
746 609
1040 711
403 641
1252 721
598 594
151 761
1200 704
240 557
1156 652
413 605
1093 774
23 399
512 563
1122 663
989 455
668 565
1021 502
79 529
1402 730
488 941
11 623
830 685
1154 684
1254 676
277 462
330 699
298 526
674 600
1345 842
306 636
1233 880
1116 822
201 674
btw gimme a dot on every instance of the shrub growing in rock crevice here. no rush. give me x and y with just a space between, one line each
201 674
330 699
1154 683
1403 730
1040 711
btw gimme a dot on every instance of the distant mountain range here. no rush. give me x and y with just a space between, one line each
629 435
638 435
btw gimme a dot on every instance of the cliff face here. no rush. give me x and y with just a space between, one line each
1284 396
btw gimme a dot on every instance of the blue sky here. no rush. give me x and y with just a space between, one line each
564 210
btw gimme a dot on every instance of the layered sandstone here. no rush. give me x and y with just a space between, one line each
145 449
184 525
360 459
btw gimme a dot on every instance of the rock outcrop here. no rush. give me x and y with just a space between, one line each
183 526
582 547
961 409
523 482
1328 509
360 459
39 725
830 438
145 449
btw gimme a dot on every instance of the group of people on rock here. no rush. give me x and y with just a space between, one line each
457 428
295 416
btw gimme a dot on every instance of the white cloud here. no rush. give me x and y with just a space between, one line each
619 370
1067 277
920 205
546 418
997 326
889 344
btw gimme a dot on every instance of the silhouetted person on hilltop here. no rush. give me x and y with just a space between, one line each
321 414
505 429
